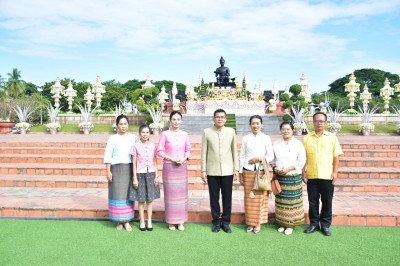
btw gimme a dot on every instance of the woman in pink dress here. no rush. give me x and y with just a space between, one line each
174 149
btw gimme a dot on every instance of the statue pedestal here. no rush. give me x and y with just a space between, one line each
240 107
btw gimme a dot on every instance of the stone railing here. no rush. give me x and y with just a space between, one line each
376 119
103 119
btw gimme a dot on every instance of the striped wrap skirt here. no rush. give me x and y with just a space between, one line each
289 210
256 208
175 182
120 208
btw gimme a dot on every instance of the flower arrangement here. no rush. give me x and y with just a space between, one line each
23 125
118 112
23 115
336 126
300 125
397 111
53 126
156 115
333 115
156 126
88 125
366 126
53 112
86 115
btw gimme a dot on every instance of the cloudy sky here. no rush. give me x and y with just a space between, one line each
176 40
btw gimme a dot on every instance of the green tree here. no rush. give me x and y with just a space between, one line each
112 97
133 84
30 88
374 78
15 85
295 100
3 95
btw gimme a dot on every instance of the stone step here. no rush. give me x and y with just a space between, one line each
371 152
51 159
371 146
52 150
193 170
355 209
196 144
60 144
71 181
194 160
369 162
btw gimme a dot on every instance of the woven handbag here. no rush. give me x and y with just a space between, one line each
262 182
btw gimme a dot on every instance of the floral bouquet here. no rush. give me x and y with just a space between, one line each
53 126
24 125
156 126
84 125
300 125
364 126
336 126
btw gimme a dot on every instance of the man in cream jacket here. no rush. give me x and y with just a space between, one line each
219 167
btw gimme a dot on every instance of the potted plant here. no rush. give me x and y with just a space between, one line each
53 127
86 126
298 122
118 112
23 114
6 124
366 128
333 126
398 115
156 115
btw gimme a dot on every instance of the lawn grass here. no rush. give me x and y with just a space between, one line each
75 128
35 242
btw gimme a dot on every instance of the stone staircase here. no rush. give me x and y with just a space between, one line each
67 180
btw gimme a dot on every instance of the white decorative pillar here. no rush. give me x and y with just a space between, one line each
305 88
88 97
70 93
98 90
352 87
57 89
365 96
386 92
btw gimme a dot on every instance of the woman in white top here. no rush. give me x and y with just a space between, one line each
290 158
118 162
255 147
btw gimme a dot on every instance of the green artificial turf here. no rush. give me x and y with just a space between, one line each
75 128
34 242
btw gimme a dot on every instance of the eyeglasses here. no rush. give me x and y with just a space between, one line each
319 121
219 117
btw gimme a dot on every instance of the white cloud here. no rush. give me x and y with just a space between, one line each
191 29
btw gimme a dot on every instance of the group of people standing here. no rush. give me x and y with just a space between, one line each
132 173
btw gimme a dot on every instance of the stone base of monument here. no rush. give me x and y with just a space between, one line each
195 124
238 107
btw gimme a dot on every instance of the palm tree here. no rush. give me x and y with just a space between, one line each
15 85
3 95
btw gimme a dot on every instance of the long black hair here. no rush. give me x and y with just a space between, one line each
120 117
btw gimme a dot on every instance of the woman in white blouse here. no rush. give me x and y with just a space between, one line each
255 147
290 158
118 162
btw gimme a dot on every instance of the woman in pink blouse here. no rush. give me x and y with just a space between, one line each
174 149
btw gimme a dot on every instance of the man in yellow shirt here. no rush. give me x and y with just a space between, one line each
219 166
320 173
